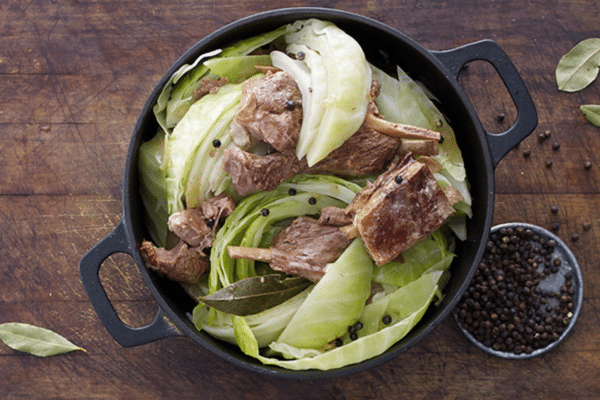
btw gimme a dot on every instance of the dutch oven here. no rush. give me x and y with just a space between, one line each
384 47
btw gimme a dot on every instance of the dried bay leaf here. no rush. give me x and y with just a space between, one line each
592 113
579 67
253 295
34 340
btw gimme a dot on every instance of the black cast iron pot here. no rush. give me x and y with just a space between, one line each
385 48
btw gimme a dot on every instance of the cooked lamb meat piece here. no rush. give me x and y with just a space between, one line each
271 110
251 173
404 205
192 227
181 263
334 216
217 207
208 85
304 248
197 226
196 229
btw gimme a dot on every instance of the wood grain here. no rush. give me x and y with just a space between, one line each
74 76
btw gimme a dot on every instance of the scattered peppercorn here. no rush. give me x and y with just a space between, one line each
587 226
312 201
574 237
504 308
554 209
300 55
210 222
547 134
338 342
500 117
526 153
216 143
541 137
441 140
555 146
555 226
290 105
439 123
399 179
292 191
548 163
264 212
386 319
587 165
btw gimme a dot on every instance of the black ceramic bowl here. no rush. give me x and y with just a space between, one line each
384 47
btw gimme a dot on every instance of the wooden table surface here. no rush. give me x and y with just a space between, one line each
74 76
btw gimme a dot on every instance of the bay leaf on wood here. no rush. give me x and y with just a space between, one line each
35 340
592 113
579 67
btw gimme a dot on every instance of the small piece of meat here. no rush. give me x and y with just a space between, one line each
252 173
217 207
192 227
304 248
198 226
208 85
364 153
181 263
334 216
271 110
404 205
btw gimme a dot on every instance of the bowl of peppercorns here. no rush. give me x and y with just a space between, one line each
525 296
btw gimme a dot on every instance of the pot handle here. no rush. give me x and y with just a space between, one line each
487 50
89 268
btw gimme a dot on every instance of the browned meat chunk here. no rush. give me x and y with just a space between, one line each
271 110
304 248
181 263
334 216
364 153
196 229
252 173
217 207
404 205
197 226
208 85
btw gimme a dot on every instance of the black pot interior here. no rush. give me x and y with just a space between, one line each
384 48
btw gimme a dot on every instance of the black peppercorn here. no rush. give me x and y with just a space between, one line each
399 179
312 201
386 319
555 146
290 105
292 191
216 143
526 153
554 209
264 212
587 165
504 308
548 163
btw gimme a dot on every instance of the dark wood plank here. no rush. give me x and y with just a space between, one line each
74 77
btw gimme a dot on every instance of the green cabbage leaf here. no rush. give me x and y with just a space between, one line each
335 99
